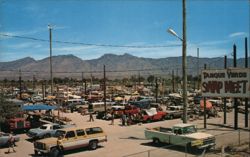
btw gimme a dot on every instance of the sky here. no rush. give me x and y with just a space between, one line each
213 26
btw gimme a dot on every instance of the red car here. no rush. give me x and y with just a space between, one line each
152 115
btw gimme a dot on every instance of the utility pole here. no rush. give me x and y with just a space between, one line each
104 89
173 81
139 79
156 90
184 64
205 106
235 99
246 99
85 88
198 69
225 99
43 90
33 83
20 84
82 84
50 58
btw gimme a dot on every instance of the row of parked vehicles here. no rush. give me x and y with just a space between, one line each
77 137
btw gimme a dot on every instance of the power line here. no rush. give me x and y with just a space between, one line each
90 44
71 72
99 71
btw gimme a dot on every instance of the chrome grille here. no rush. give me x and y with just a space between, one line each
39 145
209 141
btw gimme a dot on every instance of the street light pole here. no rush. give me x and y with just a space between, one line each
184 63
50 58
184 59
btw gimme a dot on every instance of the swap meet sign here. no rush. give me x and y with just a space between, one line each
226 83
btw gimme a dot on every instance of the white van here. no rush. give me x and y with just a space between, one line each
99 106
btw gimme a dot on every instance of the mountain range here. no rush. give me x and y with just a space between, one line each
117 66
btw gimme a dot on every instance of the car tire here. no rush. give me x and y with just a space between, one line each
93 145
54 152
36 152
171 117
189 149
156 141
148 120
162 118
46 136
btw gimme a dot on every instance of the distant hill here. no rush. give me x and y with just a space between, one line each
117 66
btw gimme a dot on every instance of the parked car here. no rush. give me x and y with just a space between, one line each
119 106
99 106
4 137
129 110
197 99
149 115
69 139
46 130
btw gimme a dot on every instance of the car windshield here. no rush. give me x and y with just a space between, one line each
43 127
189 129
59 133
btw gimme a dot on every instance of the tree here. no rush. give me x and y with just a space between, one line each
151 79
7 109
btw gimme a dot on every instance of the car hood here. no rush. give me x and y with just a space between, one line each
199 135
37 130
48 141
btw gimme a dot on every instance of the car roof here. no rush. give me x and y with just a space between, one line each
50 124
77 128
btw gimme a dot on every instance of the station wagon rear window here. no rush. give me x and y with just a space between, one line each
60 133
80 132
70 134
95 130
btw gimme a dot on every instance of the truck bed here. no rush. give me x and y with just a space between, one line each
161 129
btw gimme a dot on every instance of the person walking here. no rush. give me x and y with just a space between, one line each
91 118
124 119
11 142
112 118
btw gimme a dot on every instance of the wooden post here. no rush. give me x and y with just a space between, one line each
205 107
235 99
225 99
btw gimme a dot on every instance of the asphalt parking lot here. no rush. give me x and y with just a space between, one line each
128 140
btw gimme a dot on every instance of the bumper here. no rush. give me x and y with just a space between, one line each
206 146
42 151
31 135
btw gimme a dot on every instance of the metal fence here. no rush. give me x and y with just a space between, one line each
226 143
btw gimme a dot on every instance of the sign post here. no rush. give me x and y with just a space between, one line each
232 83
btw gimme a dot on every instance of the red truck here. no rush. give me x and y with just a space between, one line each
16 123
128 110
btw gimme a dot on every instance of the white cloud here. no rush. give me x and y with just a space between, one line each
26 32
24 45
237 34
211 43
73 49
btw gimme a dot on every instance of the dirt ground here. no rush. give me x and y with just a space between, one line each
130 140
